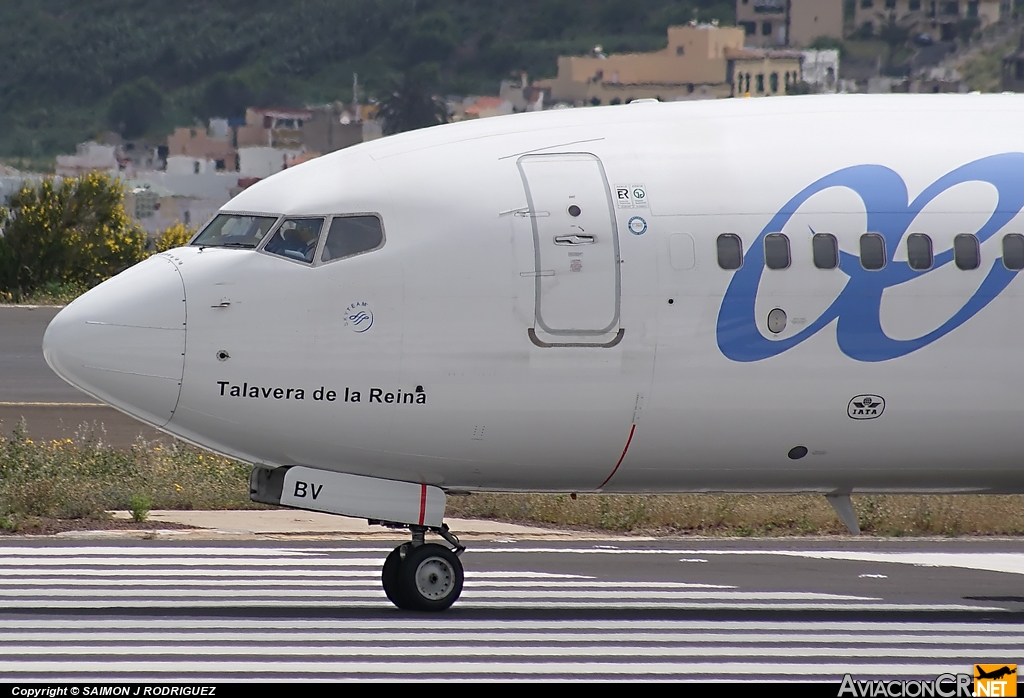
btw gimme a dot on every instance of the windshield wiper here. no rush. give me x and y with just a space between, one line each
247 245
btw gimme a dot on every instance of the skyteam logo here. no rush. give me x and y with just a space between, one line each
358 317
857 308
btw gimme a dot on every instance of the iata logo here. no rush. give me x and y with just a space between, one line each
358 317
856 311
866 407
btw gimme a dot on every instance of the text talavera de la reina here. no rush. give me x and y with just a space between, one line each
322 394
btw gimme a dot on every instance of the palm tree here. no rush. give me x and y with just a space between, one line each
410 106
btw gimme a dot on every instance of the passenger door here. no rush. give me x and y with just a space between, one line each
576 250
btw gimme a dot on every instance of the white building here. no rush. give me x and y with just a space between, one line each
821 69
263 161
91 157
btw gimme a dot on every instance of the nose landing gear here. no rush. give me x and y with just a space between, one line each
420 576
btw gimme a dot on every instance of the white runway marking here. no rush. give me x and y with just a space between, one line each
144 621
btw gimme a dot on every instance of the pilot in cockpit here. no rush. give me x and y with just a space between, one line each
296 239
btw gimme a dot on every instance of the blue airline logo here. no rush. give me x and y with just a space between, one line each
859 330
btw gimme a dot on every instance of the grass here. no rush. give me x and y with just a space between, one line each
52 293
82 478
752 515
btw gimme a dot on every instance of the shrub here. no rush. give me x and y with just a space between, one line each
177 235
73 231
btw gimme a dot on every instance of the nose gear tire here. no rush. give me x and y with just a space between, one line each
391 574
429 578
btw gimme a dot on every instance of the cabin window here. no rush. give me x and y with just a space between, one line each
730 251
1013 251
919 252
966 251
776 251
872 251
351 235
296 239
233 230
825 250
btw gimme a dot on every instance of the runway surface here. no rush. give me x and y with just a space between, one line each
272 610
52 409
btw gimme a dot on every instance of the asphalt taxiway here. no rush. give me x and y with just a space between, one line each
51 408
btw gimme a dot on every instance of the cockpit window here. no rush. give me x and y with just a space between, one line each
296 239
231 230
351 235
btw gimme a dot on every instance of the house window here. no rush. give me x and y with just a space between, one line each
773 82
766 28
867 4
760 83
914 5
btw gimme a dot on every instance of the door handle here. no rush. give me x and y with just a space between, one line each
575 239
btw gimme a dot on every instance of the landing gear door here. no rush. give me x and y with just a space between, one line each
576 251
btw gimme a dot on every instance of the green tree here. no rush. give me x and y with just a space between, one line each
225 96
73 231
411 105
135 107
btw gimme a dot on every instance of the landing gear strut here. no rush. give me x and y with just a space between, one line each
421 576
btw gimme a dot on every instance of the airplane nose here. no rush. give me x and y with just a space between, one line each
123 342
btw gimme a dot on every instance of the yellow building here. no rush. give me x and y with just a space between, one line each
700 61
773 23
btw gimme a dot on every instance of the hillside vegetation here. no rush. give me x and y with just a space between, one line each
71 68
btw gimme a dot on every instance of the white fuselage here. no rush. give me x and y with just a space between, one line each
513 345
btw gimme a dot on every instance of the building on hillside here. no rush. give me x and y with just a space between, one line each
700 61
332 127
158 200
273 128
821 70
196 149
484 107
12 180
90 157
940 19
764 73
134 155
796 23
263 161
